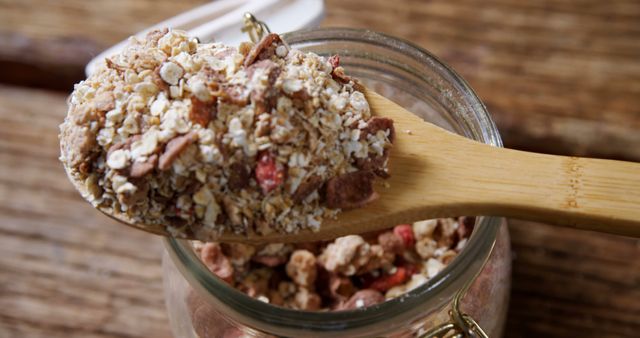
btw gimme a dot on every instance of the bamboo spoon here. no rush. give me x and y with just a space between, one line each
435 173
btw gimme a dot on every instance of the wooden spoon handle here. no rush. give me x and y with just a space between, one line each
592 194
436 173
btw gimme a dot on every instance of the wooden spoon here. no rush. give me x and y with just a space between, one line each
436 173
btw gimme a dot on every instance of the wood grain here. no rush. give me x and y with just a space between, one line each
569 283
558 76
64 269
47 43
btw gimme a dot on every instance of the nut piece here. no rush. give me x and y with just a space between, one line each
146 145
201 112
104 102
263 49
77 145
139 169
424 229
306 188
426 247
340 288
216 261
350 254
174 148
302 268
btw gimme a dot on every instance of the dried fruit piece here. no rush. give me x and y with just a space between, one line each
268 174
386 282
334 60
350 190
337 72
465 226
239 176
201 112
378 123
270 260
405 232
377 162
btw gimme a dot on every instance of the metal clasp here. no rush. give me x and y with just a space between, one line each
254 27
460 324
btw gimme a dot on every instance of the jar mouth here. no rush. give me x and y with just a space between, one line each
394 312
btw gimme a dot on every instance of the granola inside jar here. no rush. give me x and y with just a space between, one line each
202 305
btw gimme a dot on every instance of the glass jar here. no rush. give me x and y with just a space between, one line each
201 305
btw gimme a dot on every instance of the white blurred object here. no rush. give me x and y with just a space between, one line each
222 21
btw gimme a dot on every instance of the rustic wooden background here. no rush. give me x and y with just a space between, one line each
559 76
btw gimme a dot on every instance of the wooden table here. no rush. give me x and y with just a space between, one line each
558 76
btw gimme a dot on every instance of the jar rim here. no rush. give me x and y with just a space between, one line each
287 322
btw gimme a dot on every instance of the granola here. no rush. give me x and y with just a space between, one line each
198 139
349 272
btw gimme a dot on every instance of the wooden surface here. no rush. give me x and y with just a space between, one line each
558 76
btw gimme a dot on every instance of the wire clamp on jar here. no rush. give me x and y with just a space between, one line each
460 324
254 27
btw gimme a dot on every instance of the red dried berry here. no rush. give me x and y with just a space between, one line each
411 269
334 60
405 231
268 175
180 213
386 282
